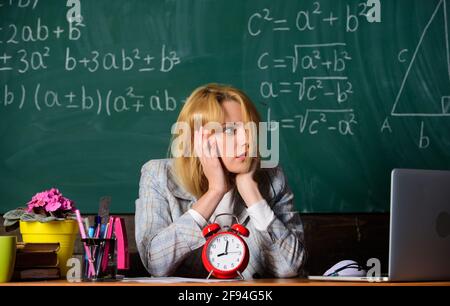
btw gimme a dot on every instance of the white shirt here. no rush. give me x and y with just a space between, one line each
260 213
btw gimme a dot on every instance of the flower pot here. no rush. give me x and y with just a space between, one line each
65 232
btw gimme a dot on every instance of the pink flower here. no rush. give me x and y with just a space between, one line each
67 204
50 200
52 206
35 203
39 200
53 192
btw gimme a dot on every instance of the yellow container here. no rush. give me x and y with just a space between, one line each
7 257
65 232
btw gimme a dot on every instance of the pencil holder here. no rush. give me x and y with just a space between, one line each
100 262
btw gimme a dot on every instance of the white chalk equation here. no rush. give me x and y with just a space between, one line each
24 60
315 121
310 88
307 59
21 4
310 19
84 98
314 76
123 60
38 31
39 46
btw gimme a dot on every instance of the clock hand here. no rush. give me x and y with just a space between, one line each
225 252
221 254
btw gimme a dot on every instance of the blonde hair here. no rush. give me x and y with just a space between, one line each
205 103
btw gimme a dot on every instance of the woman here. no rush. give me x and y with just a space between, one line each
218 172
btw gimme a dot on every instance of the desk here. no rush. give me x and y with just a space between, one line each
257 282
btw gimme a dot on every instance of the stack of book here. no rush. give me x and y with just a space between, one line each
36 261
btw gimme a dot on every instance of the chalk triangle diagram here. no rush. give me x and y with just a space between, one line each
425 88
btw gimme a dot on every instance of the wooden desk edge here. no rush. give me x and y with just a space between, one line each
249 283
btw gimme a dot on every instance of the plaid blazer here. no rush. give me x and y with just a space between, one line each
170 242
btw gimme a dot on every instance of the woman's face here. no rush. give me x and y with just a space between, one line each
232 143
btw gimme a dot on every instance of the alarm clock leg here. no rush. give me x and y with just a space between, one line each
209 275
240 275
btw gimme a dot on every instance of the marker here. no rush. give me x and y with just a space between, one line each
91 232
98 221
86 248
86 221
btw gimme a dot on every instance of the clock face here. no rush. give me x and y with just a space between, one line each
225 252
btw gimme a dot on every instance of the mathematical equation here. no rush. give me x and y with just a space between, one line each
310 89
23 61
315 75
308 19
123 60
309 57
14 34
30 47
314 121
19 3
98 101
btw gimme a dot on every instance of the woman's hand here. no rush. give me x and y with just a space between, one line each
247 186
205 147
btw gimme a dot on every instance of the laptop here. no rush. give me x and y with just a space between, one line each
419 239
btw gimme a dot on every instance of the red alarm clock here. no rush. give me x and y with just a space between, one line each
225 254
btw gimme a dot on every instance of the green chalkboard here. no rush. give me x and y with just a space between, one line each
84 106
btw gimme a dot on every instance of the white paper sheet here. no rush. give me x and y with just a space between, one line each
174 280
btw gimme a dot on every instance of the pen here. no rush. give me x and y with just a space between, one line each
102 230
91 232
86 222
98 221
86 248
108 235
97 228
103 250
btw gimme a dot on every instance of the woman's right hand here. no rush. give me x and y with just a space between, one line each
212 167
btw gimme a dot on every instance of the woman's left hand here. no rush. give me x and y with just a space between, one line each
247 186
